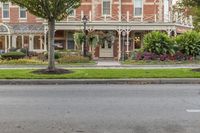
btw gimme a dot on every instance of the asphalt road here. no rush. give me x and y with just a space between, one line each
100 109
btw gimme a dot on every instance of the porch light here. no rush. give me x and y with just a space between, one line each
84 19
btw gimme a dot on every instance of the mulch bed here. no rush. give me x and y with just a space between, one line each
56 71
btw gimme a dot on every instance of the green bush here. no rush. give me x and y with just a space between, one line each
189 43
12 49
22 62
13 55
158 43
57 55
73 59
24 50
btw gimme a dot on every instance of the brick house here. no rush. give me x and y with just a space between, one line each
126 20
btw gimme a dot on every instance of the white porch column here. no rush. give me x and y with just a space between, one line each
9 41
22 41
45 41
119 47
31 42
14 38
127 42
133 41
6 43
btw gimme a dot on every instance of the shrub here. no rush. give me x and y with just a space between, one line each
146 56
158 43
24 50
57 55
73 59
22 61
189 43
12 49
13 55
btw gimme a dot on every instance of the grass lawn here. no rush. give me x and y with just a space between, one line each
103 74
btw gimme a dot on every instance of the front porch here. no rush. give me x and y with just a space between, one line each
29 36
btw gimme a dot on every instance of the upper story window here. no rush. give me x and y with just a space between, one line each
22 12
72 14
6 10
106 7
138 7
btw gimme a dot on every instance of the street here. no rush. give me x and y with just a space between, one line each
100 109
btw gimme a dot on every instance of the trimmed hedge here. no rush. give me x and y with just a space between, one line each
13 55
73 59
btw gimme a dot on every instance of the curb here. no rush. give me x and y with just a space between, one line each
97 81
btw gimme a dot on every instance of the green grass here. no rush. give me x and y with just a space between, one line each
103 74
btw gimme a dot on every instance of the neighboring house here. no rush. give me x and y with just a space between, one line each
133 18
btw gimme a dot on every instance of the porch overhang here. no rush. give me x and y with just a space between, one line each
117 26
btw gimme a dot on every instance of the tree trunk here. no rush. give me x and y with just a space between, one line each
51 58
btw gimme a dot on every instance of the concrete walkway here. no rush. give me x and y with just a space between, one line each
103 65
108 63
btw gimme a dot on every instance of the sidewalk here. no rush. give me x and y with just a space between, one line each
140 81
103 66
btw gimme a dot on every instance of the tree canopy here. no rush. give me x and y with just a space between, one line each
48 9
52 11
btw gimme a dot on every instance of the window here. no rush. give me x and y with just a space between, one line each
70 41
22 12
6 10
72 13
138 7
106 7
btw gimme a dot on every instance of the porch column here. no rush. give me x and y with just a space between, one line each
127 42
133 41
119 47
22 41
45 42
14 37
31 42
6 43
9 41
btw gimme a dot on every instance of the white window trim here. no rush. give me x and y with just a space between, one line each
8 10
142 9
20 15
110 8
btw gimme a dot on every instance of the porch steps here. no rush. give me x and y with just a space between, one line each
108 62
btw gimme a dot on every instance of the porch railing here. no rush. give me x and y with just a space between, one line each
129 18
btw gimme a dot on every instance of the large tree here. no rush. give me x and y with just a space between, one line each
52 11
